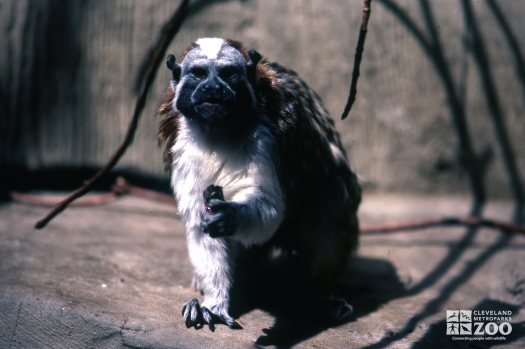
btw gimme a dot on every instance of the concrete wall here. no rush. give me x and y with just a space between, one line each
67 69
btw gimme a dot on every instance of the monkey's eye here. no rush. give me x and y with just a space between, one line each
228 72
199 72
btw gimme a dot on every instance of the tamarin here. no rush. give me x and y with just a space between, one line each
255 162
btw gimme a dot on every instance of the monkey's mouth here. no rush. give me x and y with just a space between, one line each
212 110
210 104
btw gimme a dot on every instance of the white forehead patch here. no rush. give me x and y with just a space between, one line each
210 47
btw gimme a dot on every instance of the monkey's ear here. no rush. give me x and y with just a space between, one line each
174 67
255 57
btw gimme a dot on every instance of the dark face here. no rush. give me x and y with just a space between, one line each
214 91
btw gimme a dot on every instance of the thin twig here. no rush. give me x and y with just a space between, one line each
119 189
357 58
47 200
168 32
443 222
123 187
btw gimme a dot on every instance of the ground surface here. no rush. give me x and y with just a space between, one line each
116 276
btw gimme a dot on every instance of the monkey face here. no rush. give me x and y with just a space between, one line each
214 90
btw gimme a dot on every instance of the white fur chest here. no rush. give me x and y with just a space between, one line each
193 170
240 173
246 173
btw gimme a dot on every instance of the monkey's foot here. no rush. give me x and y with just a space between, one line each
335 310
197 316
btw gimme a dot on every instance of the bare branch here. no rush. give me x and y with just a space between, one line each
120 188
53 200
357 57
168 32
443 222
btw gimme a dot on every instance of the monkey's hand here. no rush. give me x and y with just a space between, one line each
212 192
220 217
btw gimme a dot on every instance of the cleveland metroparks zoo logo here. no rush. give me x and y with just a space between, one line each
478 324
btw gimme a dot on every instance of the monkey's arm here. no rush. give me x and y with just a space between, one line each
252 215
251 222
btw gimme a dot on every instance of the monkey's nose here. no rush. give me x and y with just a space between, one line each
212 87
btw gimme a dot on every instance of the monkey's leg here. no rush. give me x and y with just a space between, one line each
328 306
324 255
212 262
196 284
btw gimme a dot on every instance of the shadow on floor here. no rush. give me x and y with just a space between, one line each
367 284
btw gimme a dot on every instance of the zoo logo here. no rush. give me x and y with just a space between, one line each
460 322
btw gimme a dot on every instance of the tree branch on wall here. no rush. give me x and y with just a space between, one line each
475 165
512 42
431 45
156 56
495 109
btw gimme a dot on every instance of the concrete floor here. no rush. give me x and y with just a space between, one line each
117 275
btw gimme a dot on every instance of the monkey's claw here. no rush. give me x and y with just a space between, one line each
212 192
197 316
